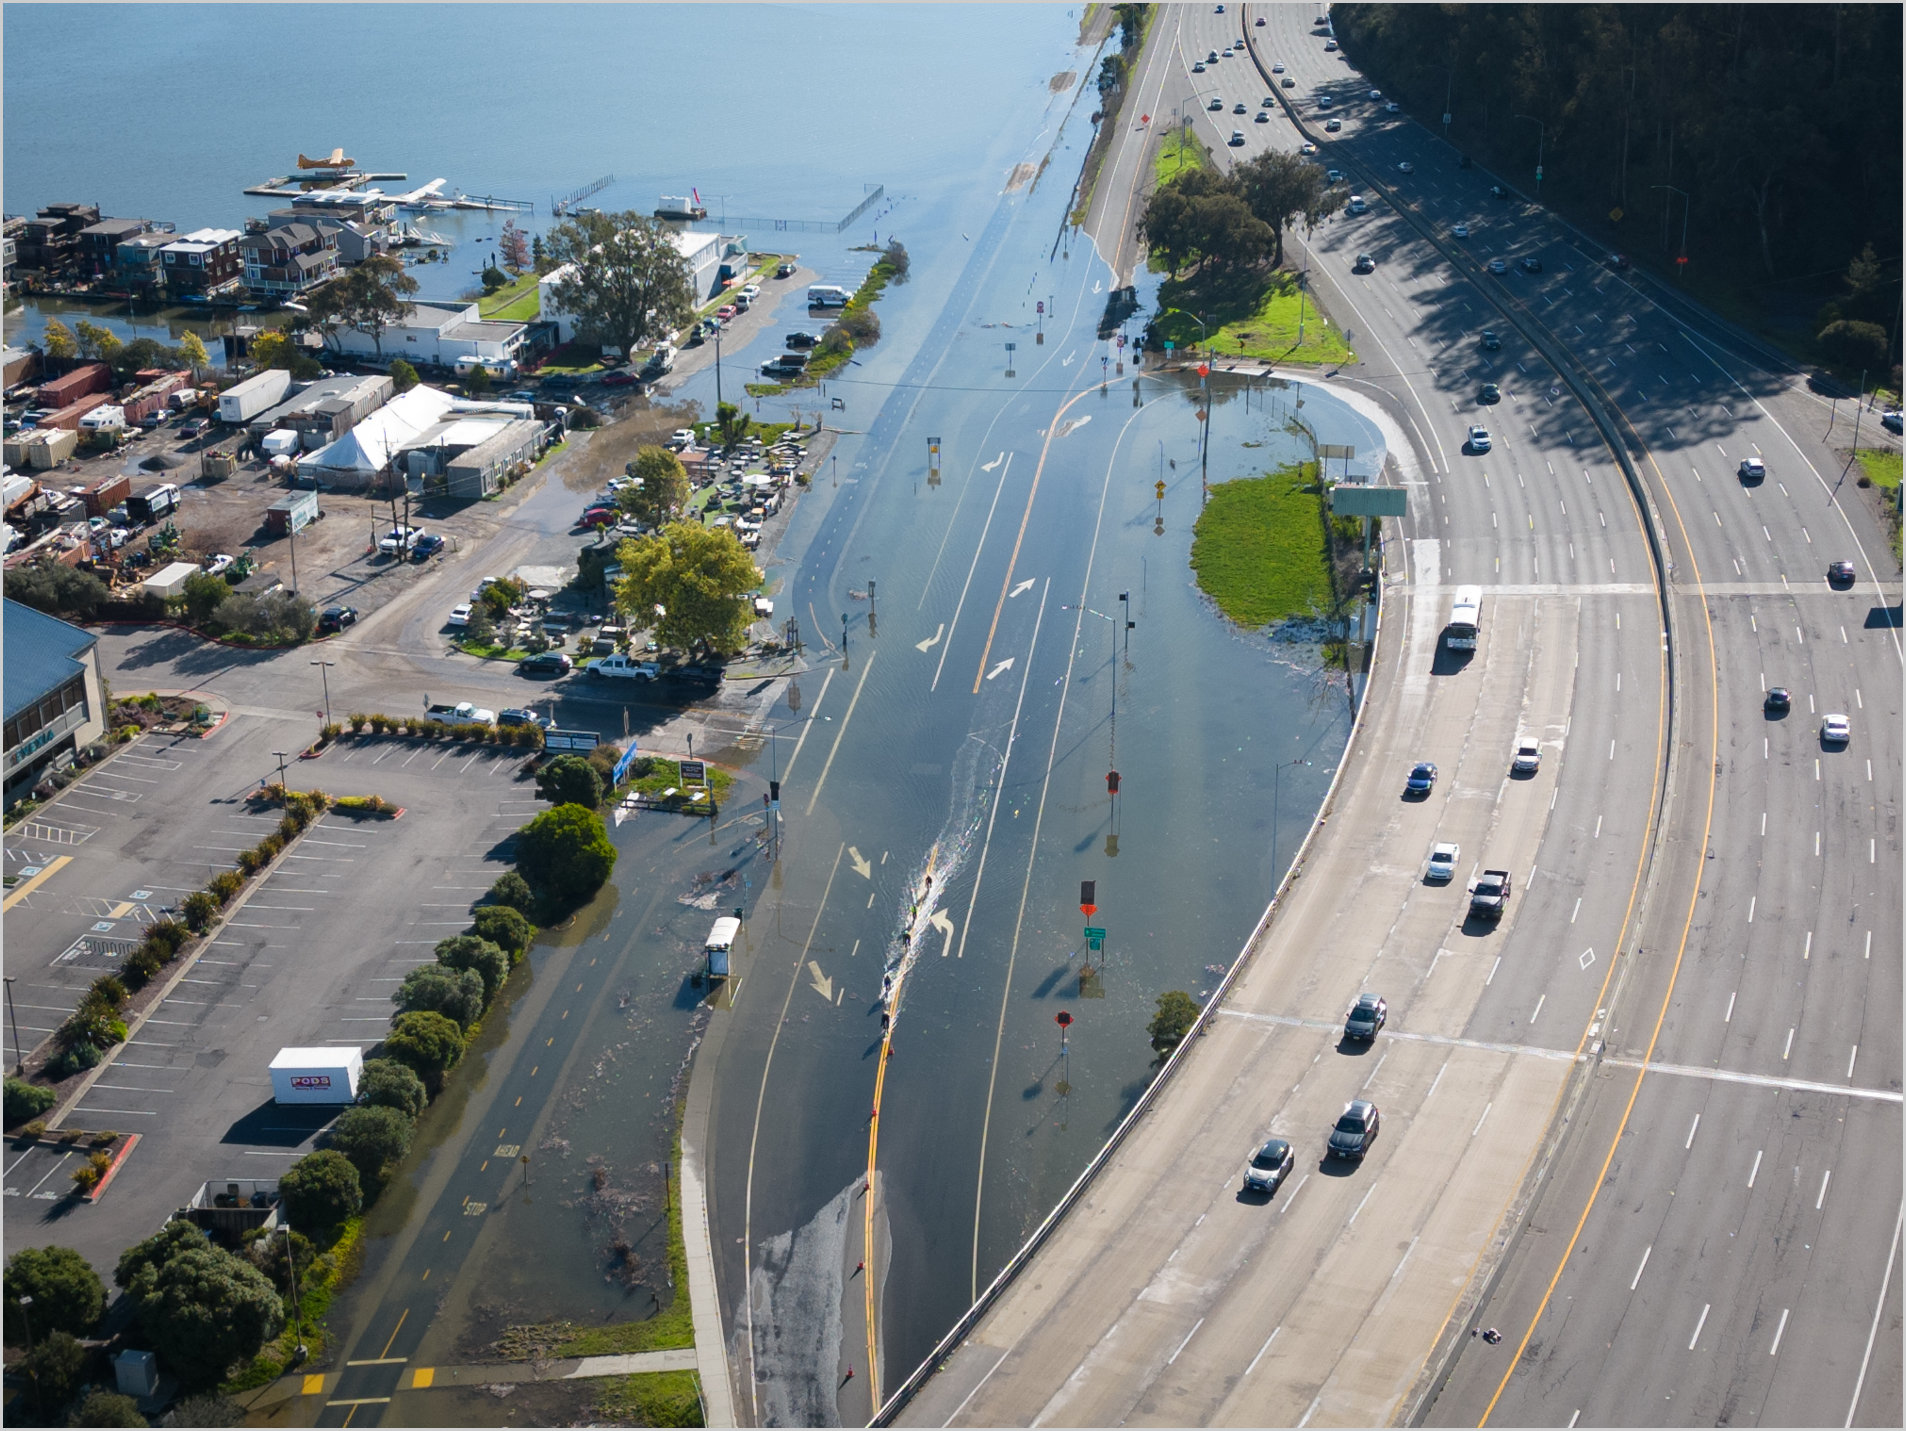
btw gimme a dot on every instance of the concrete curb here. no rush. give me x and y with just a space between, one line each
112 1171
711 1345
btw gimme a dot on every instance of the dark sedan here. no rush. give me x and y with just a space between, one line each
1356 1130
1422 779
1778 702
547 663
336 618
1366 1017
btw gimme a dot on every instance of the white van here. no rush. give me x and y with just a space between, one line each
721 942
827 295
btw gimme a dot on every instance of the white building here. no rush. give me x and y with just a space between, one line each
441 335
363 456
702 253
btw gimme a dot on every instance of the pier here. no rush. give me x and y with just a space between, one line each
559 207
808 226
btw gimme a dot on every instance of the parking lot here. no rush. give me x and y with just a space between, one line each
311 956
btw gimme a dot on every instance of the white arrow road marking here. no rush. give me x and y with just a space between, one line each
1098 286
1005 665
931 641
943 922
863 866
1024 585
1066 361
822 985
1073 426
988 467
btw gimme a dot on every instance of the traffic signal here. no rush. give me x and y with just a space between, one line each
1111 781
774 789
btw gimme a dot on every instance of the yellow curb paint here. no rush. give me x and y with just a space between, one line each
313 1384
424 1376
21 891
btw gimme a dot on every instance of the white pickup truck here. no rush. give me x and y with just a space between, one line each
623 666
462 713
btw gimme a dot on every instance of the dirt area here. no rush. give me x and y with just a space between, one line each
611 448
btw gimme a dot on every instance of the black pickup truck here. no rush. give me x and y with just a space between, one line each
1489 894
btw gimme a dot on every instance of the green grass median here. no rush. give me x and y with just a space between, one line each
1258 548
1251 315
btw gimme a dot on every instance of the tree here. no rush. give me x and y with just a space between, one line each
67 1293
208 1408
203 594
691 584
494 278
374 1139
192 349
200 1307
628 286
506 928
480 626
386 1083
110 1408
402 375
661 486
27 1100
455 993
512 891
95 341
57 590
538 255
731 422
1176 1014
326 307
376 294
565 854
570 780
897 260
479 956
59 340
477 380
274 348
501 594
55 1370
430 1044
1853 345
1278 188
321 1190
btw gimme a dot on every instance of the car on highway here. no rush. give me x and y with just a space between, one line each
1356 205
1489 393
1216 104
1330 44
1366 1017
1263 116
1490 340
1836 729
1227 52
1841 573
1496 265
1777 701
1237 139
1890 420
520 715
1260 25
1268 102
1460 231
1211 57
1324 102
336 618
1376 94
1421 779
1532 265
1333 125
1277 68
1752 469
1405 167
459 615
545 663
1528 757
1442 863
1269 1163
1307 148
1355 1131
1478 439
1618 260
1333 176
1198 67
1288 83
1240 108
1390 106
1364 264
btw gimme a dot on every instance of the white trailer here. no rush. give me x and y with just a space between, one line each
316 1075
244 401
280 442
721 943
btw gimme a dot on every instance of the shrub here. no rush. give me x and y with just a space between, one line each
374 1139
1853 344
253 860
87 1175
1173 1020
67 1293
26 1101
321 1190
208 1409
200 1308
270 847
565 854
358 720
380 724
330 730
387 1083
290 827
225 884
454 993
168 935
478 955
109 1408
570 780
142 966
428 1043
512 891
74 1058
109 990
56 589
55 1369
92 1022
199 907
506 928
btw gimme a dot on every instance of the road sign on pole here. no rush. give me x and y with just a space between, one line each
1092 931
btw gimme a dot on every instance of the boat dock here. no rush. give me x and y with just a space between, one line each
353 186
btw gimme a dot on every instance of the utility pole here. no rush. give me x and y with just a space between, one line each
19 1056
324 673
1541 139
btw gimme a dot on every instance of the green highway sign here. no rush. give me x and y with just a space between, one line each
1091 933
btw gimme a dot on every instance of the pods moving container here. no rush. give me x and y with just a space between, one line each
316 1075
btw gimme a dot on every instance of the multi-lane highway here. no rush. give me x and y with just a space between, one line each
1665 1118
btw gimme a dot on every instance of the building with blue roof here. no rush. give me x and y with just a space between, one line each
55 705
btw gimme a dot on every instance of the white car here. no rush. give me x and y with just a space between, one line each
1406 167
1528 756
1278 68
623 667
1376 94
1442 863
1478 439
1356 205
1836 730
1752 469
751 291
459 615
1307 148
1460 231
215 565
1390 106
1496 265
1333 176
1333 124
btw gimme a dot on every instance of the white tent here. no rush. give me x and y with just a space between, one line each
367 449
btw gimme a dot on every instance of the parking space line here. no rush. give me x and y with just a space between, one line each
119 1112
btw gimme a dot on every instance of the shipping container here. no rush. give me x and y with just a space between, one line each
291 513
246 400
169 580
56 444
154 395
93 378
68 417
108 492
316 1075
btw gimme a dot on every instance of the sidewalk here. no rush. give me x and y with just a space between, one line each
425 1378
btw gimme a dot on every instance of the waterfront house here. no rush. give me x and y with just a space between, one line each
99 243
49 241
355 231
287 261
441 335
203 263
701 254
137 267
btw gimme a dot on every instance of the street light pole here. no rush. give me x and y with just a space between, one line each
281 754
324 673
291 1261
19 1054
1277 786
1541 138
1681 259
